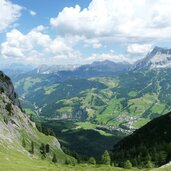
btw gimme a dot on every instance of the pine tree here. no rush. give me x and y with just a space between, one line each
149 164
134 162
148 157
162 156
54 159
49 131
106 158
47 148
70 161
92 161
23 143
43 151
169 151
32 148
127 164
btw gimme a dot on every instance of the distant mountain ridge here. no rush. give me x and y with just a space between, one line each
15 69
158 58
101 68
54 69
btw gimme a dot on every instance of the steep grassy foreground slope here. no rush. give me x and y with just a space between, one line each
23 163
18 135
19 162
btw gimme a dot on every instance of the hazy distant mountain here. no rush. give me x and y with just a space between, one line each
54 69
97 68
158 58
15 69
65 72
102 68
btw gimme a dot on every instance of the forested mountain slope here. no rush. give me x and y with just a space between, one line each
127 101
148 146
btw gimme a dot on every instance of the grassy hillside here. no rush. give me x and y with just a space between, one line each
126 101
17 162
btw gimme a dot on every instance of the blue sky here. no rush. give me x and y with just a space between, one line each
81 31
44 9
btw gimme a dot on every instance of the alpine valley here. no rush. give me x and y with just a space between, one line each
104 101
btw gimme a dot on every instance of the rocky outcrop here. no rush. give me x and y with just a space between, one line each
7 87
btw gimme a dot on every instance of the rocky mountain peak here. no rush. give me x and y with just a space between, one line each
160 50
158 58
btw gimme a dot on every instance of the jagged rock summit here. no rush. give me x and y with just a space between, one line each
158 58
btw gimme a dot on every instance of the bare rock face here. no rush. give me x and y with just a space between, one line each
158 58
7 87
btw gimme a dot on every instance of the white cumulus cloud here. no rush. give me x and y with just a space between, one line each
112 56
9 14
123 20
33 13
36 47
139 48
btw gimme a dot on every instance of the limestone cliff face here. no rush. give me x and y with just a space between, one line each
158 58
7 87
